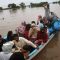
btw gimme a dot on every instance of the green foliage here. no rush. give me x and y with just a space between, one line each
38 4
22 5
13 6
56 2
1 8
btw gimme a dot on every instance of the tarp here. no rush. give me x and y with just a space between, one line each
57 25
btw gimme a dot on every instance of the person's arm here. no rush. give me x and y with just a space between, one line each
44 6
30 32
28 42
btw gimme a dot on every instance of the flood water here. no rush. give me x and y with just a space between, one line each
9 20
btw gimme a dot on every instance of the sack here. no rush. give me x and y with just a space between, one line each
57 25
50 30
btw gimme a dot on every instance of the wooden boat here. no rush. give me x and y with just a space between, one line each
41 47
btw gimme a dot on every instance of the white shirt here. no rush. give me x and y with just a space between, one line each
40 25
22 42
5 56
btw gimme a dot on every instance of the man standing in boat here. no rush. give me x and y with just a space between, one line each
47 10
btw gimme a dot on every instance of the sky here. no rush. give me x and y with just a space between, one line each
4 3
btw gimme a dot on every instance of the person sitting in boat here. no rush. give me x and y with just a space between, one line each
45 21
54 24
27 28
47 10
42 36
9 36
20 42
55 17
33 32
6 51
39 19
2 41
40 22
20 30
17 56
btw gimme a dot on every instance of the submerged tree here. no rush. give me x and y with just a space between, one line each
22 5
13 6
1 8
38 4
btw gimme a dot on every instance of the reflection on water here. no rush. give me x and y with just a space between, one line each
13 11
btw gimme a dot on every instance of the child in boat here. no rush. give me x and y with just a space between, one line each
33 32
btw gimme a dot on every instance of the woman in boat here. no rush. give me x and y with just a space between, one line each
17 56
9 36
33 32
27 28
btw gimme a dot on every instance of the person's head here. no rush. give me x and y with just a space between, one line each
44 19
0 38
51 18
10 33
47 5
28 26
33 25
7 47
17 56
23 23
15 37
33 22
39 17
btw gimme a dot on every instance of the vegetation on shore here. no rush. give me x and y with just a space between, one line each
38 4
56 2
12 6
22 5
1 8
